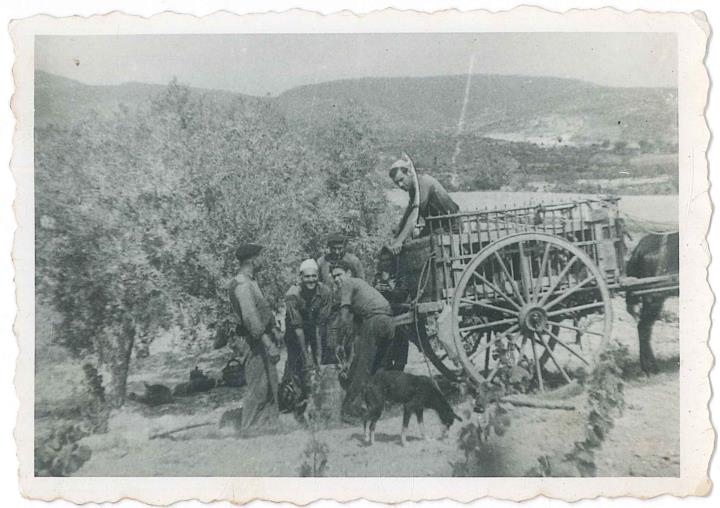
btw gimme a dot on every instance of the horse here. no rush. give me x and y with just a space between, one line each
655 255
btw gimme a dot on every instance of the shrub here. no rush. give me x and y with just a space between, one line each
140 214
59 454
605 400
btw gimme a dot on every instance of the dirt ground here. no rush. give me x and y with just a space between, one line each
644 442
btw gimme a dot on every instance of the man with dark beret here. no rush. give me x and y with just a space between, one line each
255 323
337 252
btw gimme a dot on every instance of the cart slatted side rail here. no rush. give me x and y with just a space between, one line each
592 225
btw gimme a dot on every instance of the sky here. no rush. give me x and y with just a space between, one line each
261 64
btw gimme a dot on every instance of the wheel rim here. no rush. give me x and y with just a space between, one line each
532 300
439 357
432 348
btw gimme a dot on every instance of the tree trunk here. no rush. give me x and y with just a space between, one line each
121 362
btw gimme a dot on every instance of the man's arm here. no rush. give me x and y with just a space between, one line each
406 227
410 218
357 266
346 300
345 316
318 347
300 334
253 321
295 322
251 317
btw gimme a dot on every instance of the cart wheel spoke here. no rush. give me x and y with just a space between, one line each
551 281
510 279
543 268
496 289
549 351
575 328
538 370
578 308
572 351
569 292
489 306
559 279
485 326
525 273
493 341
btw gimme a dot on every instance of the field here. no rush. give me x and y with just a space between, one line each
645 441
143 193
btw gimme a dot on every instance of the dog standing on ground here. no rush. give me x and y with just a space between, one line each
415 393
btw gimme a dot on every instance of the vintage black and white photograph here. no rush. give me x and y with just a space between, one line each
439 254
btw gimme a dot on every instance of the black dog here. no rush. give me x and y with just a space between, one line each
415 393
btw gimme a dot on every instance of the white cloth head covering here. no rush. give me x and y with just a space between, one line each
404 162
309 266
401 164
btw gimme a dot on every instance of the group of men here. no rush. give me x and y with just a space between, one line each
331 313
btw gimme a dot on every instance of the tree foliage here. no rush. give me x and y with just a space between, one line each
138 216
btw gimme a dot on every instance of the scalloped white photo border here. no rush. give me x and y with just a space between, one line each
697 434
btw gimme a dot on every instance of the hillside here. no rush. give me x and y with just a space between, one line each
514 108
518 133
63 101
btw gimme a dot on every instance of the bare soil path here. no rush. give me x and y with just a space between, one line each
644 442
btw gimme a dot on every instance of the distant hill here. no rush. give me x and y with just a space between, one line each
513 108
517 132
61 100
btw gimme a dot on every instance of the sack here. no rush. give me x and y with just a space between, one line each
233 374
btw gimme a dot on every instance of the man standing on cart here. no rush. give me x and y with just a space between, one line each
428 198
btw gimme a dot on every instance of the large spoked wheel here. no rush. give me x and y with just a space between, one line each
431 346
535 301
439 357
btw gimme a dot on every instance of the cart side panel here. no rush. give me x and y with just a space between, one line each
592 225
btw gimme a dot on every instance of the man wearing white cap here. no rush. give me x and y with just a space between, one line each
307 310
428 198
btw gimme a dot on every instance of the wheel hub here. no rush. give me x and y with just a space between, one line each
533 318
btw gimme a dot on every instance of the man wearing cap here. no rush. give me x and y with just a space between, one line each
260 408
307 310
336 243
363 304
428 198
336 252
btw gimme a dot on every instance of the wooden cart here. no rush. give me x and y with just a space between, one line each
529 286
